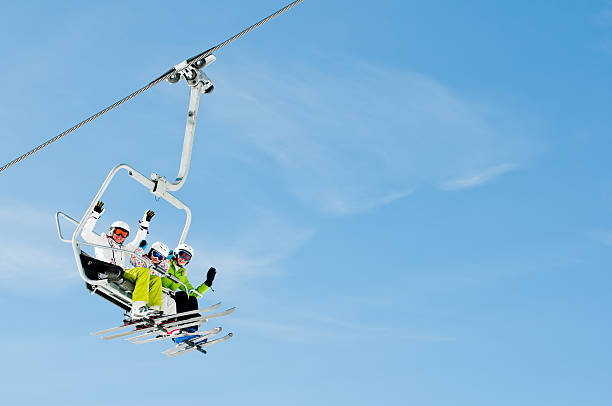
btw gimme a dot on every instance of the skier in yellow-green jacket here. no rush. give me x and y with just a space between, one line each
185 297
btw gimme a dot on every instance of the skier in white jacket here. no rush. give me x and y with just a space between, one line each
146 298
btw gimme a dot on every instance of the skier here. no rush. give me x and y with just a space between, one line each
158 255
146 297
168 302
185 299
157 260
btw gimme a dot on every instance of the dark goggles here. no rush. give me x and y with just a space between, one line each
185 255
155 254
121 232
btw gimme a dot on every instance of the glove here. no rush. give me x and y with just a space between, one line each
210 276
143 244
149 215
98 207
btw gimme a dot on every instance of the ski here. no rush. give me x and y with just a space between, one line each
207 309
159 327
163 327
170 330
187 343
200 334
180 346
196 345
154 321
110 330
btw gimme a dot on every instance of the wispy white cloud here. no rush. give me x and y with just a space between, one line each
338 203
602 19
18 213
352 143
478 179
602 236
257 249
380 330
287 331
313 328
34 263
30 251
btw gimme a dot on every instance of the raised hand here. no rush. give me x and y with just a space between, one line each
210 276
149 215
98 208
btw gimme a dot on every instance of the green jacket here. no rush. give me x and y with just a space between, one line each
180 273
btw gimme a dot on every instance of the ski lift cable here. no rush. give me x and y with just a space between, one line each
190 61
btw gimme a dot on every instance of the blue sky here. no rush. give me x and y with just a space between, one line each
408 203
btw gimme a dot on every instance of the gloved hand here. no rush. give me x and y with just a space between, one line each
98 207
210 276
149 215
143 244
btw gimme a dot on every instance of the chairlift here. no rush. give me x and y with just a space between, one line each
117 293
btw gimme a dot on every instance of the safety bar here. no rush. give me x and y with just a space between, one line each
157 268
150 264
59 227
146 259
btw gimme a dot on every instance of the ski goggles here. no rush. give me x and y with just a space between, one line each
155 254
184 255
121 232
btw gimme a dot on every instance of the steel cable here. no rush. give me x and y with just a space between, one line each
165 76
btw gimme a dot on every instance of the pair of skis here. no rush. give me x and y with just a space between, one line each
160 328
195 344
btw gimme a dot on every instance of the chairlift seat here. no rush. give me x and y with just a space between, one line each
119 293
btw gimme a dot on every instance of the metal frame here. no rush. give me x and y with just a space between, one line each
158 185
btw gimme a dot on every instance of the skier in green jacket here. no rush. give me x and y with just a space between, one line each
186 299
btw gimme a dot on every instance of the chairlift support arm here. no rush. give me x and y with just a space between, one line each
199 83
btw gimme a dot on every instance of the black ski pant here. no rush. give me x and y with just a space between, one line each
185 303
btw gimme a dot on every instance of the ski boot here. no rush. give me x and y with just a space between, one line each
139 311
153 312
179 340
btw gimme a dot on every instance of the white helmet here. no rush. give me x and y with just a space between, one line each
120 224
161 248
184 247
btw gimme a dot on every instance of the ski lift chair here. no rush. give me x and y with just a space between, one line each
116 290
120 293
